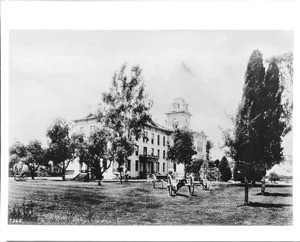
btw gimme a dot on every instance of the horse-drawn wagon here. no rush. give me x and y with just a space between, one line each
173 183
20 171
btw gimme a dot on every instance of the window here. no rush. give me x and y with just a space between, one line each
164 167
199 146
158 139
92 128
152 138
152 151
136 165
145 137
128 165
158 152
145 151
81 129
164 140
137 150
157 167
164 154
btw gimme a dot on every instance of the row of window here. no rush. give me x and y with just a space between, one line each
92 128
145 152
138 166
146 138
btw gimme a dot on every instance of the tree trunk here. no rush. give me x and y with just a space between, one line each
88 173
63 175
121 181
246 200
32 175
263 185
100 182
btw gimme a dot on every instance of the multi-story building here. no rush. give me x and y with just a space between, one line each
179 116
151 149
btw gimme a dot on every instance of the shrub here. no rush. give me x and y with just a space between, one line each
195 167
225 170
273 177
23 213
142 174
209 172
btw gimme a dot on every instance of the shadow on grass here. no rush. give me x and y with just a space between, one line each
259 185
161 188
275 194
181 195
266 205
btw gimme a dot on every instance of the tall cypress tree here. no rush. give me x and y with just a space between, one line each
249 117
274 123
245 141
260 122
225 170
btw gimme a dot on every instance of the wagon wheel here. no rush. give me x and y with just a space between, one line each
24 177
191 190
153 180
191 185
16 177
170 188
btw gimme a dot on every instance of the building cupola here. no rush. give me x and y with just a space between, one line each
178 115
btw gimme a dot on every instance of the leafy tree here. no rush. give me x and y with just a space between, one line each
35 156
208 147
61 148
182 149
273 177
195 167
80 143
210 171
217 162
237 176
125 111
95 151
225 170
286 74
17 152
259 124
32 155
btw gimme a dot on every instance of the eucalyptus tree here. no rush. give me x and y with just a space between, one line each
124 110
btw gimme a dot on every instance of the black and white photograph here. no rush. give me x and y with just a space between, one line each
151 127
110 127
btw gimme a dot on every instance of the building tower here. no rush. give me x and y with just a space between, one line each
178 115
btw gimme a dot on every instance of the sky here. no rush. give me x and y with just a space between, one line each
60 73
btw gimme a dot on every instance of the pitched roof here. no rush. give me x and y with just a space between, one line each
153 124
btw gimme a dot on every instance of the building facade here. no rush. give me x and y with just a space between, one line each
150 155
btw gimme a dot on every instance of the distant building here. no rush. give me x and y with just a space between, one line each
150 155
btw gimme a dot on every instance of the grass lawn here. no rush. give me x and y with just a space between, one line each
71 202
